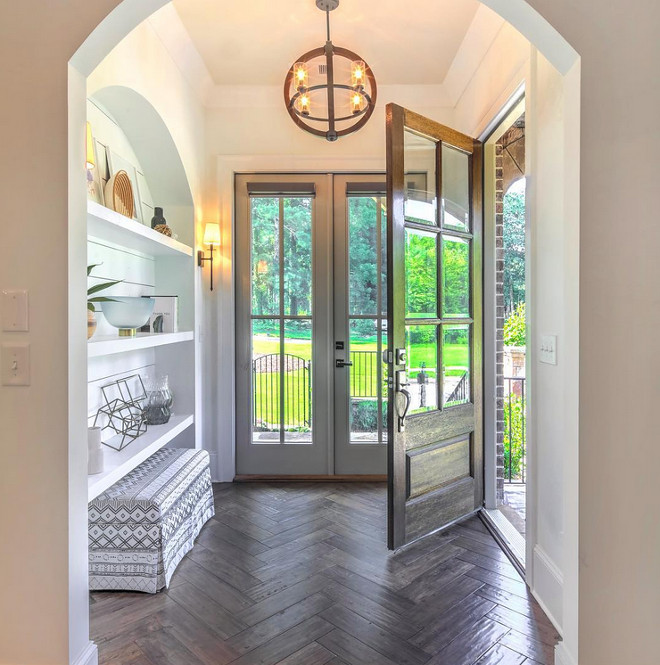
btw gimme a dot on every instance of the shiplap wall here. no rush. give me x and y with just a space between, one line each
140 275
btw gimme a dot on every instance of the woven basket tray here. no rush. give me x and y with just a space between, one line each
119 194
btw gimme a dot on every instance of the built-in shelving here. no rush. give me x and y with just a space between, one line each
119 463
108 345
106 224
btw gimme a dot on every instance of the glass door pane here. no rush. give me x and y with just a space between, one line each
367 304
281 287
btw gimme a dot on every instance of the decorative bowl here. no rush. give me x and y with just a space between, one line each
128 313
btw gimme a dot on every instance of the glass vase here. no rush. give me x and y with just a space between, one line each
158 406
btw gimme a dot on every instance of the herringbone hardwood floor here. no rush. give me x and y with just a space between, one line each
298 574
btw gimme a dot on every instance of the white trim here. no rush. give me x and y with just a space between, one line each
548 586
89 655
563 657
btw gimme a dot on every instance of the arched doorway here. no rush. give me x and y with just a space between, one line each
129 13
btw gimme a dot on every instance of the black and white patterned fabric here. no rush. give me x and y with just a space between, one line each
142 526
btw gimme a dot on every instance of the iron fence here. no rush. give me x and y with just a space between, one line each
274 374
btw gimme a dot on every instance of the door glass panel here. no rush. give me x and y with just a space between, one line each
363 243
422 351
265 220
455 189
297 381
421 274
382 202
281 347
297 241
266 381
420 204
365 394
455 277
455 364
367 259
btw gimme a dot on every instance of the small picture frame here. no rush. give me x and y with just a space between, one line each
144 197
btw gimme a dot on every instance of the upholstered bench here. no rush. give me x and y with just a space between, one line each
142 526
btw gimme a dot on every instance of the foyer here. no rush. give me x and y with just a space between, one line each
298 574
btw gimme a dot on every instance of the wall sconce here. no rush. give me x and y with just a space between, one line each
89 159
211 239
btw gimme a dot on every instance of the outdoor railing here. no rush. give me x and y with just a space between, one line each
364 374
460 393
267 384
515 453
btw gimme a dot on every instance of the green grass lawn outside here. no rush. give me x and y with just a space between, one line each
363 381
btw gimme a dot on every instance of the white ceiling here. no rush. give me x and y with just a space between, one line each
255 41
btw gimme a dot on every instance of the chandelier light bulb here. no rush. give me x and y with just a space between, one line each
357 74
357 102
301 74
303 102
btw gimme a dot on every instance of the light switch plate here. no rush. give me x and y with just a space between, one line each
15 364
548 350
15 311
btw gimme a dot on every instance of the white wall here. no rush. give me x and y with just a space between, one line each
619 273
553 232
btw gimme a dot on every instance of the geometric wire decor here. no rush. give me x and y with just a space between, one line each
123 410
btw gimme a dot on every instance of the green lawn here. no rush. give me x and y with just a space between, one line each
363 381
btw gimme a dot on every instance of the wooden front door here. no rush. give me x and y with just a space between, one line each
434 274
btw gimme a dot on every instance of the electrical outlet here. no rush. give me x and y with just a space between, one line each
548 350
15 311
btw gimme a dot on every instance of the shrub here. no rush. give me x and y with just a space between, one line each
514 327
514 415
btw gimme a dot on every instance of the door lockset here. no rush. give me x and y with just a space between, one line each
401 357
401 383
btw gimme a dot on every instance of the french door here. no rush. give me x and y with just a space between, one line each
311 324
434 288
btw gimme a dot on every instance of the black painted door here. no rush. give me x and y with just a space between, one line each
434 190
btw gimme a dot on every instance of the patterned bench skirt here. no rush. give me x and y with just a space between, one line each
142 526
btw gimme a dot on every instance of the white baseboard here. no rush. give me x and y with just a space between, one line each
548 586
89 656
562 656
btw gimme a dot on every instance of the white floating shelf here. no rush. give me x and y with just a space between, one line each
107 345
119 463
106 224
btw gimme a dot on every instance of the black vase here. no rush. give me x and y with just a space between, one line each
158 218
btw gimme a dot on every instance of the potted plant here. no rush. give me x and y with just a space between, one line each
91 312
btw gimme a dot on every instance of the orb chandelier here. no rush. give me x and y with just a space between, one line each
330 91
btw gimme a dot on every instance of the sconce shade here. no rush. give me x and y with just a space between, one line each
212 235
90 162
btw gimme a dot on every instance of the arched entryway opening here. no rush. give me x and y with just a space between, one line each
130 13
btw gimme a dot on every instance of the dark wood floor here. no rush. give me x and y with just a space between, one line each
299 575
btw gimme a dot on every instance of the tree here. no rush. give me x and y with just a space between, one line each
514 250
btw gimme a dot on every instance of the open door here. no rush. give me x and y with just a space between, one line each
434 290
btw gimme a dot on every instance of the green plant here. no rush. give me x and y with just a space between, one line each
514 437
514 327
97 288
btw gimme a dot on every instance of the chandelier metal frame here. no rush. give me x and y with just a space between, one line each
330 51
